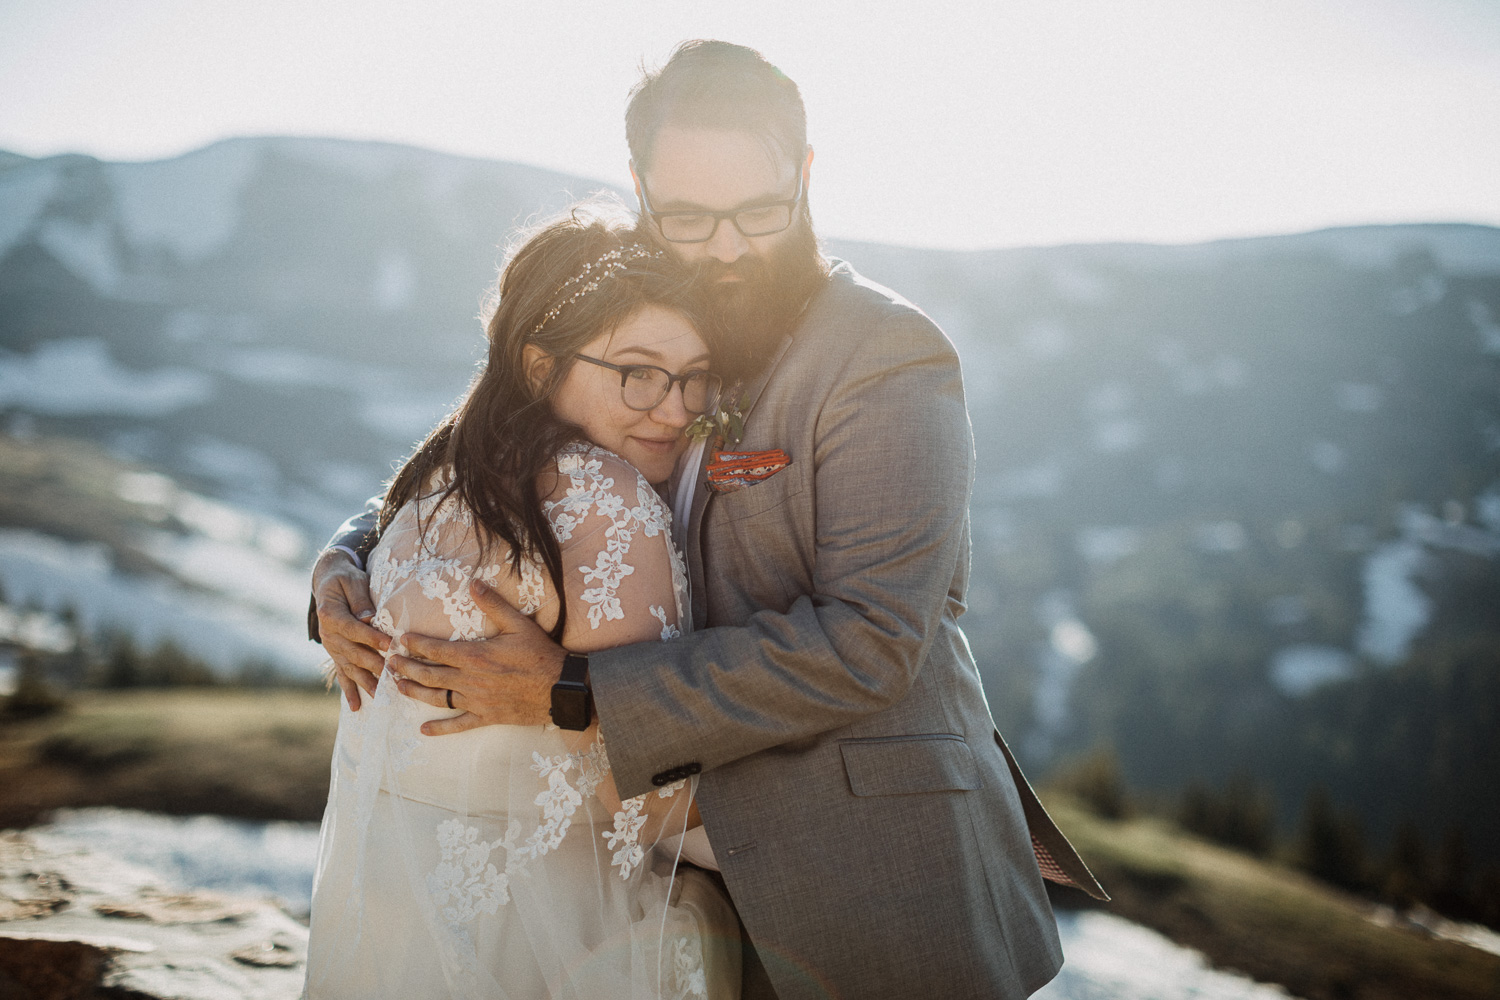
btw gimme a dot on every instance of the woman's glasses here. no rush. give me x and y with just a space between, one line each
643 387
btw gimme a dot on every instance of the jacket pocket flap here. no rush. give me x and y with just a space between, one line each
906 765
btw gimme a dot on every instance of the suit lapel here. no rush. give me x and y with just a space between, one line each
702 494
752 395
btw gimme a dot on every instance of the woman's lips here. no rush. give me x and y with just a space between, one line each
661 447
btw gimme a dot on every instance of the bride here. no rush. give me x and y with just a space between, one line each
500 862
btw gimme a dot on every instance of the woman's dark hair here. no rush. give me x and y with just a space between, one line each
503 437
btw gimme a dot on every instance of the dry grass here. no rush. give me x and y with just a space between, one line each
247 753
1270 922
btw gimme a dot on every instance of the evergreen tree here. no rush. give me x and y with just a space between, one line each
1449 891
1330 844
33 696
170 666
1406 871
1096 781
1242 817
122 667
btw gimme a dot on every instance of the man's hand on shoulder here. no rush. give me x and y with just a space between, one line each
341 592
504 680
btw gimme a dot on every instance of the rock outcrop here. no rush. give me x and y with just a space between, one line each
80 926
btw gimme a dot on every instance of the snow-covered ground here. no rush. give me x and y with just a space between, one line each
1107 958
221 627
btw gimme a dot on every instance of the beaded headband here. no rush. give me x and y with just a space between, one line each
606 266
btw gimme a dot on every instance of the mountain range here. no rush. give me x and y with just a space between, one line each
1225 491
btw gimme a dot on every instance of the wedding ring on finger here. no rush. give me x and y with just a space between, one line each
450 697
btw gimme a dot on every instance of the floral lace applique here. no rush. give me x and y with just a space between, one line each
668 630
687 967
531 588
593 766
625 838
560 800
442 579
590 490
386 571
465 882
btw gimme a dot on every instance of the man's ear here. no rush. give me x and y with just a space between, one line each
636 180
806 170
538 364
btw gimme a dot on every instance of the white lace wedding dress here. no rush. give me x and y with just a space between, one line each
487 864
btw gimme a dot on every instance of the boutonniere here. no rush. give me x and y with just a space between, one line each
727 423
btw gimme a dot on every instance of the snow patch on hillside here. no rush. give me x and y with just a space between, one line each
441 176
404 416
1106 545
1303 668
24 193
1485 326
191 204
87 250
395 284
1396 610
78 378
1069 646
213 627
280 367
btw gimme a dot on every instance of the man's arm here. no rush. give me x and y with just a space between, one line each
341 606
893 474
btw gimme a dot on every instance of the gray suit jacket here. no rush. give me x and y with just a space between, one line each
875 834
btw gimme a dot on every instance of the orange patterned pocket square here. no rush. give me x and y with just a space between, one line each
734 470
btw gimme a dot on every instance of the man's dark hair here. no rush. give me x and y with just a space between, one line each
718 85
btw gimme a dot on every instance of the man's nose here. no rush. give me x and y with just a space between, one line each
726 244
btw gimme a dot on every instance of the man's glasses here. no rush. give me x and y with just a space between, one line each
643 387
699 227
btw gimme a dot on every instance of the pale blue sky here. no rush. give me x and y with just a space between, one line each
995 123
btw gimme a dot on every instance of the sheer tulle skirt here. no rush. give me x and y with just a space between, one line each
482 865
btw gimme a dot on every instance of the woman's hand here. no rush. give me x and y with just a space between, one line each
504 680
342 592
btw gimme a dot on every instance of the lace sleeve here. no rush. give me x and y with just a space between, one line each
623 582
622 577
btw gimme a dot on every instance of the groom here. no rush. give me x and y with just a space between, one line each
872 828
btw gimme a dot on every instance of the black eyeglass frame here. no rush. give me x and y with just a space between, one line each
732 215
625 370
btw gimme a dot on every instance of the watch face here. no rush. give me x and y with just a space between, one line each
572 702
570 706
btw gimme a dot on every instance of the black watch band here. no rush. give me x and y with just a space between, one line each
572 698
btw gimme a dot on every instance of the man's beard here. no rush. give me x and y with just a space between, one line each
749 317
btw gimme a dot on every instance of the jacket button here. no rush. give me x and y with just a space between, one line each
659 779
693 768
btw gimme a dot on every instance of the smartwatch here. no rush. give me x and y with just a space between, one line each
572 698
